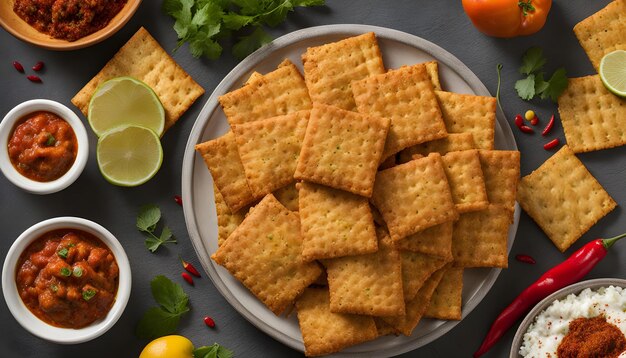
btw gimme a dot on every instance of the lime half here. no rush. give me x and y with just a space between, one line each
129 155
613 72
125 101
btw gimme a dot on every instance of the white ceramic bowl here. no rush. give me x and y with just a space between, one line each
6 129
38 327
575 288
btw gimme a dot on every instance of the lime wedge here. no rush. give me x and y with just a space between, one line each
124 101
613 72
129 155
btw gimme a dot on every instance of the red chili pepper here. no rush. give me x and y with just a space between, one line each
526 129
527 259
18 66
569 271
519 121
189 267
34 78
178 200
209 321
38 66
187 277
534 121
548 127
551 144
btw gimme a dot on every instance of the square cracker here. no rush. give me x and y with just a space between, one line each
603 32
325 332
446 302
288 196
368 284
415 309
227 222
464 113
269 150
414 196
383 328
465 177
342 149
451 143
264 254
563 198
416 268
432 68
330 69
221 157
434 241
277 93
144 59
479 239
501 170
592 117
407 98
334 223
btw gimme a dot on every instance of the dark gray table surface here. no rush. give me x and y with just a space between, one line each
442 22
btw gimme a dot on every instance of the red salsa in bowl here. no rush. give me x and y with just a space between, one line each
67 278
42 146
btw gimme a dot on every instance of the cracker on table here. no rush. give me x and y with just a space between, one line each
277 93
416 269
269 150
603 32
325 332
288 196
222 158
414 196
330 69
432 68
446 302
501 171
451 143
563 198
368 284
407 98
479 238
334 223
464 113
264 254
144 59
466 181
434 241
227 221
592 117
342 149
415 309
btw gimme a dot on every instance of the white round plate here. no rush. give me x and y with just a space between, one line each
398 48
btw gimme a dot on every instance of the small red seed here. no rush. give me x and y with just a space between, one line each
209 321
534 121
525 259
519 120
526 129
178 200
187 277
18 66
34 78
551 144
38 66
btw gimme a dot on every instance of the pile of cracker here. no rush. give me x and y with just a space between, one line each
562 196
358 195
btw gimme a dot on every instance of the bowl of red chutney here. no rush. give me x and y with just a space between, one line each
43 146
66 280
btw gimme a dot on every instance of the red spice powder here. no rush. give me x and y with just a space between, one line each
592 337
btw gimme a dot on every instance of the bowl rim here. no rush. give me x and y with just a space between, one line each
114 25
574 288
36 326
6 129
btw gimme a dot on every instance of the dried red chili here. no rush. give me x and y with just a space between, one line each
178 200
38 66
189 267
519 121
209 321
551 144
187 277
549 126
527 259
34 78
18 66
526 129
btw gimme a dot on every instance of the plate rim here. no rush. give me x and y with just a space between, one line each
247 65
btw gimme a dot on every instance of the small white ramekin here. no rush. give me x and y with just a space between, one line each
6 128
42 329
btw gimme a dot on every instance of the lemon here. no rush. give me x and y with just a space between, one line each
129 155
613 72
168 347
125 101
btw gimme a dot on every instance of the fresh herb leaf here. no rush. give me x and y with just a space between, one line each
163 320
169 295
148 217
88 294
78 272
54 288
234 21
540 83
247 44
63 253
526 87
157 323
51 140
65 271
213 351
555 85
532 61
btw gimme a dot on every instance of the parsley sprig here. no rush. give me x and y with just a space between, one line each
212 351
206 24
535 84
147 220
163 320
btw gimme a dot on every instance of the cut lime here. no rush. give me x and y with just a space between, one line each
613 72
129 155
124 101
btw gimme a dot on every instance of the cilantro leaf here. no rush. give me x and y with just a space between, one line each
163 320
532 61
148 217
169 295
208 48
526 87
307 2
540 83
234 21
170 7
157 323
277 13
213 351
556 85
248 44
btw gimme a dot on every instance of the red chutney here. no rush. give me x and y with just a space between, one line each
67 278
43 146
68 19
